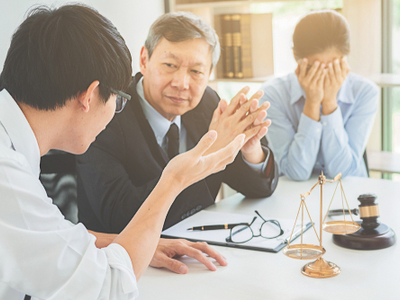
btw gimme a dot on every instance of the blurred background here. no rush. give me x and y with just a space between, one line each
375 46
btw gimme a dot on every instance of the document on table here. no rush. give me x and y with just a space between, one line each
218 237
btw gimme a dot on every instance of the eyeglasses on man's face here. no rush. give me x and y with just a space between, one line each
243 233
122 98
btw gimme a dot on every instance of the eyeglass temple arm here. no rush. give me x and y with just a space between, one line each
231 225
247 224
122 94
259 216
125 95
253 221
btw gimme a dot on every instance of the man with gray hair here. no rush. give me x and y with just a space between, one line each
171 108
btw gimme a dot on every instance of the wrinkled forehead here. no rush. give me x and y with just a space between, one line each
194 52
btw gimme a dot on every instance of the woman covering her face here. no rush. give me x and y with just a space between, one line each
322 114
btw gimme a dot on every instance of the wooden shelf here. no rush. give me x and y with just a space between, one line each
382 80
227 3
386 80
210 4
383 161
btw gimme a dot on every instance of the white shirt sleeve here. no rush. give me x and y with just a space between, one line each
46 256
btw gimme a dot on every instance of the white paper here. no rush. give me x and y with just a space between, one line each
205 217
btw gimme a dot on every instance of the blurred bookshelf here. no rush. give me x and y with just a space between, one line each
261 39
273 49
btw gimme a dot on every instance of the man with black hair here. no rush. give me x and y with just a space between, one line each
61 84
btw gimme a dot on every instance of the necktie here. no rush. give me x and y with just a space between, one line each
173 140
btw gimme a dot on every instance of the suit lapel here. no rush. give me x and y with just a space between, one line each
195 126
198 196
157 152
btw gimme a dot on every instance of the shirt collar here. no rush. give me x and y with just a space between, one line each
20 132
158 123
345 94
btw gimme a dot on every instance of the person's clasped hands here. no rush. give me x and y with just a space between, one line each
321 82
241 115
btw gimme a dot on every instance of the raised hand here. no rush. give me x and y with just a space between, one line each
240 116
182 171
194 165
311 79
252 150
337 73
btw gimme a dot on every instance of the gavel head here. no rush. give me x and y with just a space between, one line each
369 211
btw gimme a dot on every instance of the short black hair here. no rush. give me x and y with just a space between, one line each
319 31
55 54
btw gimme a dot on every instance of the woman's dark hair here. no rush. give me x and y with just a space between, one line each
320 31
55 54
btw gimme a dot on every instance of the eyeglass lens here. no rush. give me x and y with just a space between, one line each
120 103
270 230
241 233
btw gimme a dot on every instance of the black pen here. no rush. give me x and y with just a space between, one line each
216 227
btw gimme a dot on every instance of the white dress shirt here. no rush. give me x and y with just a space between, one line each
160 126
41 253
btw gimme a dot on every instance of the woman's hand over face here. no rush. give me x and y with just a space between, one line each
337 73
311 79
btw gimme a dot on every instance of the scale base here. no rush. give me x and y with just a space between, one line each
372 239
320 269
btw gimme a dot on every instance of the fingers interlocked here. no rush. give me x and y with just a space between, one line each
242 115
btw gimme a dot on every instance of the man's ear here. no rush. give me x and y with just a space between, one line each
144 58
85 98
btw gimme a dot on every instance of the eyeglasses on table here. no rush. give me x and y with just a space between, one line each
243 233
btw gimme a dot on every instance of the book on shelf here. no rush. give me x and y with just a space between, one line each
249 53
227 46
237 45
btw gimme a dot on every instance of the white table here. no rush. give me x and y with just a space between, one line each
252 275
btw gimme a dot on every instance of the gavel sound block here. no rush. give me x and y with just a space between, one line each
372 234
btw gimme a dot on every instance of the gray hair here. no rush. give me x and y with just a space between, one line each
182 26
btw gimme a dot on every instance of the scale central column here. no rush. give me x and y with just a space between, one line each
321 268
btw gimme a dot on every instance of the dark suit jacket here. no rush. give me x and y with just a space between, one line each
123 165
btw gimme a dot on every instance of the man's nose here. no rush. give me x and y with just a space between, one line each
181 79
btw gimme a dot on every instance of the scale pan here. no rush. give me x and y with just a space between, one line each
341 227
303 251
